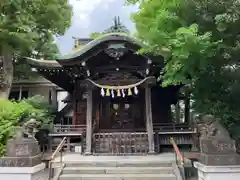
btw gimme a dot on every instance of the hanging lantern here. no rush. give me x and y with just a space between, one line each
102 92
123 93
135 90
112 93
118 93
129 92
107 92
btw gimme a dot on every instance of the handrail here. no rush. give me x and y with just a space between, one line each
177 151
179 157
58 149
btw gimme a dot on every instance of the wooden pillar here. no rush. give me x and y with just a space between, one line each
54 101
149 123
74 112
89 123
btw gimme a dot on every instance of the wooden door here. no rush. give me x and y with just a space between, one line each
121 116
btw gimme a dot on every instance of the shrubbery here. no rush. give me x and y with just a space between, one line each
16 113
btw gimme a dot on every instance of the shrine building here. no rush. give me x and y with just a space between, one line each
116 96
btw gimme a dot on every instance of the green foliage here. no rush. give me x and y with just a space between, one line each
129 2
27 28
14 114
159 24
201 39
46 112
28 24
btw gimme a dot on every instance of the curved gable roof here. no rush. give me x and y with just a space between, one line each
117 37
87 49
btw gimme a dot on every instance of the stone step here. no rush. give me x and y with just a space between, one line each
118 164
117 177
117 170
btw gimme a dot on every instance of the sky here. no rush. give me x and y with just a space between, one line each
94 16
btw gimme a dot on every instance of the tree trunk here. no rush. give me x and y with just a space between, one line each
6 73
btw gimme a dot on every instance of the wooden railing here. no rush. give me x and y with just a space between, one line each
68 128
58 149
179 159
121 143
173 127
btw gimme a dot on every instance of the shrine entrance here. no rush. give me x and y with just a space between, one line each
122 114
122 125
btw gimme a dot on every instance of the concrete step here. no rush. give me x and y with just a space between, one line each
118 164
118 170
117 177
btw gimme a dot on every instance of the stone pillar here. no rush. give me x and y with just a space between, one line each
218 151
149 123
217 172
23 173
89 123
218 157
22 160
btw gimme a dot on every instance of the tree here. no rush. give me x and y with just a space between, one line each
28 26
201 40
22 70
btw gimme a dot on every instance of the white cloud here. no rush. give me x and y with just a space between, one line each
81 11
93 16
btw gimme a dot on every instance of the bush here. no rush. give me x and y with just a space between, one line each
14 114
46 113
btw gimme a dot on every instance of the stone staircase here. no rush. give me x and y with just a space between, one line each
118 170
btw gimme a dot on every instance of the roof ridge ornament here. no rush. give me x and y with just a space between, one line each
116 51
117 27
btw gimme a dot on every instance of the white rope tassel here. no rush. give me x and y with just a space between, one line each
123 93
135 90
112 93
102 92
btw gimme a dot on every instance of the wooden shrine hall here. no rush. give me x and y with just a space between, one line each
116 96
